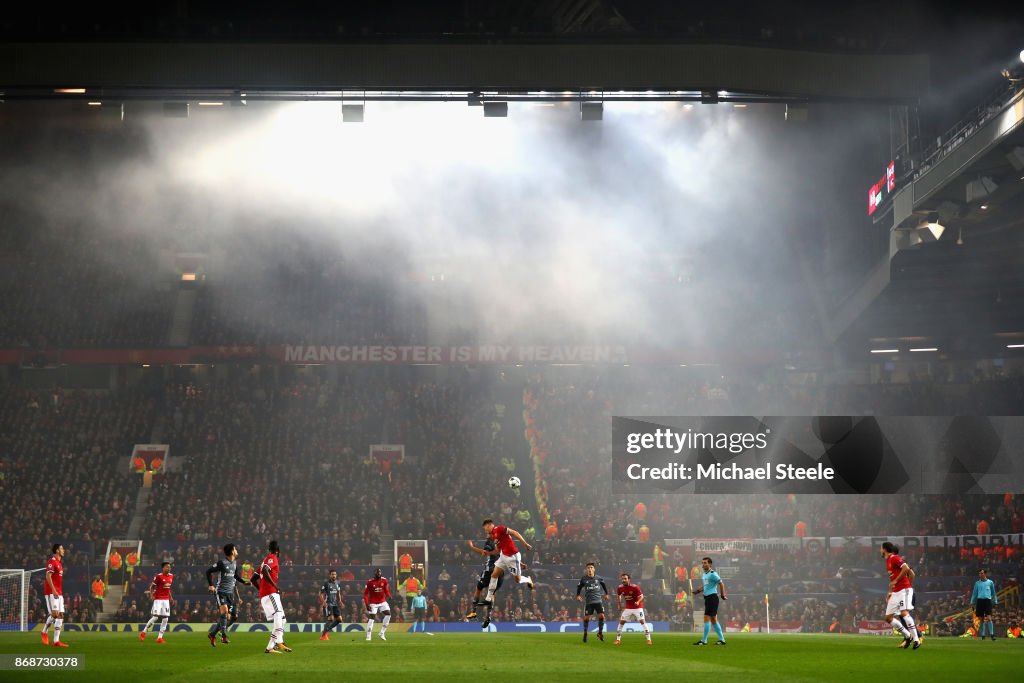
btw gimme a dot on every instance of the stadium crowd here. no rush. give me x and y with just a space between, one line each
285 459
64 464
568 425
284 452
55 299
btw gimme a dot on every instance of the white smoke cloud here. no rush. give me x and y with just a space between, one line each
552 226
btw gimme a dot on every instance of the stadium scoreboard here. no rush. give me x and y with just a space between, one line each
882 190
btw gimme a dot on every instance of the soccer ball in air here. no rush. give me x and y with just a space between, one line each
514 483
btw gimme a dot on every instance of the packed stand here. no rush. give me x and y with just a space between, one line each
458 479
55 298
568 423
63 461
287 459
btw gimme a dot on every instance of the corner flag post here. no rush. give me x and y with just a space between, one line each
767 616
693 604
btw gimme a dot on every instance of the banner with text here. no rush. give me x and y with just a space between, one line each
199 627
724 546
821 545
316 627
317 354
444 355
874 628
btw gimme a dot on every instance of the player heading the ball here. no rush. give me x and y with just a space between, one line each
509 559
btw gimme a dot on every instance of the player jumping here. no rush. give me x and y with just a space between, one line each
270 598
375 599
634 610
900 599
596 592
508 559
53 593
330 594
490 551
713 586
160 590
224 587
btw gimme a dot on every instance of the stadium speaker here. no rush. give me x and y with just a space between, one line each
176 110
980 188
709 97
591 111
796 113
495 109
1016 158
352 113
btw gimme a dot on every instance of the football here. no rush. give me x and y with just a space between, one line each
514 483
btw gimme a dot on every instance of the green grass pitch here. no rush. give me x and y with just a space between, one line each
521 656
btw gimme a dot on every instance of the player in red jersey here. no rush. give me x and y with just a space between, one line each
375 599
509 559
160 590
900 599
634 610
270 598
53 593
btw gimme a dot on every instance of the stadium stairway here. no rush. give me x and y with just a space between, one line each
385 555
516 449
111 603
142 498
139 515
181 324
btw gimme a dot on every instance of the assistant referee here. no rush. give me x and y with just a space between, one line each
712 588
983 599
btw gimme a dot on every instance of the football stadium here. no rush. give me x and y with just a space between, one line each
545 338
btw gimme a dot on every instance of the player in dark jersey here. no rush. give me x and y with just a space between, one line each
225 589
594 589
330 598
490 551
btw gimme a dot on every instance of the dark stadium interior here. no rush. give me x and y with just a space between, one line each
193 282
